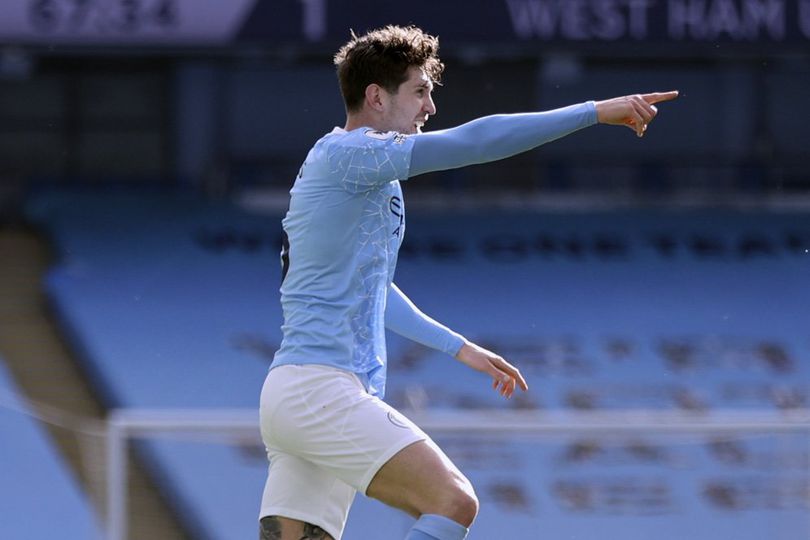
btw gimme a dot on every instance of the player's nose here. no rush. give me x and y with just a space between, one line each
429 106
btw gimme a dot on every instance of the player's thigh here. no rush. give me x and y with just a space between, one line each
326 417
422 479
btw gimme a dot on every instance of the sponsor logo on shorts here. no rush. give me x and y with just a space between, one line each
397 420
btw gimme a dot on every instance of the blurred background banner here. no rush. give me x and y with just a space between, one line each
577 23
226 97
661 24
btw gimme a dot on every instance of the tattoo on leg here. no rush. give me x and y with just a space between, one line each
270 528
313 532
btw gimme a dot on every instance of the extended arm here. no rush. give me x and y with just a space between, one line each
495 137
503 135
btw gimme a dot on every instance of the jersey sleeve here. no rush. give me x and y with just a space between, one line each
404 318
364 158
495 137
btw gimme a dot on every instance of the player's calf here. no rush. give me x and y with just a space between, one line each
279 528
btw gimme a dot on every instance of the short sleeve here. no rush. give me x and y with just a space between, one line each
364 158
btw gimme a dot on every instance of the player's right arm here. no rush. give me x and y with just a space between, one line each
495 137
505 376
404 318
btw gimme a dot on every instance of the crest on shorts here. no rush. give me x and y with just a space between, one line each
397 420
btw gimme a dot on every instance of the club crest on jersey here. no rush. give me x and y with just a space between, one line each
399 138
379 135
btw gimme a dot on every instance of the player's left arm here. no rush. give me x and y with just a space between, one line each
407 320
499 136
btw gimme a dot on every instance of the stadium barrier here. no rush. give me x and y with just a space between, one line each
125 425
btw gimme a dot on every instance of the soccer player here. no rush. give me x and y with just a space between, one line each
327 432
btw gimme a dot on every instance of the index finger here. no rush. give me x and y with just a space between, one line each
657 97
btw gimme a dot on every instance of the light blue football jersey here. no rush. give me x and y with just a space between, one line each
344 227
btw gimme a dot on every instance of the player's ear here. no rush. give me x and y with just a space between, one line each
374 97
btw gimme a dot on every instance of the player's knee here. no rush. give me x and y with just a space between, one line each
459 503
467 505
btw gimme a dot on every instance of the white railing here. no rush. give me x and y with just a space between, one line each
125 424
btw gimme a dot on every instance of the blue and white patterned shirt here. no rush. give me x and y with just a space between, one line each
345 225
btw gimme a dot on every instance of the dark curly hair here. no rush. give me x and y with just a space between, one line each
383 56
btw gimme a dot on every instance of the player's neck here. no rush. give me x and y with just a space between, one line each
363 119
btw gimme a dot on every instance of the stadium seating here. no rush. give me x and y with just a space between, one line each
173 302
40 496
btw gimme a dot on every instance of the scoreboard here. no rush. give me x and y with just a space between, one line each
647 26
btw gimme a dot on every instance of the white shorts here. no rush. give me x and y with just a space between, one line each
326 438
